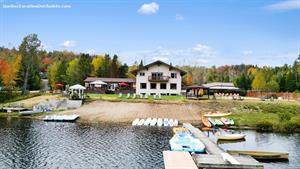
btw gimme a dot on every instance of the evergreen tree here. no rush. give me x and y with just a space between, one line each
114 72
123 71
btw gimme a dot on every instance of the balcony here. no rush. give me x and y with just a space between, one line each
158 78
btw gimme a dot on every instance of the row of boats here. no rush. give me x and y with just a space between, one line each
155 122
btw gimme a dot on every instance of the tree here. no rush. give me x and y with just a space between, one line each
30 62
96 64
272 87
73 72
123 71
114 72
105 67
141 64
259 82
84 67
188 79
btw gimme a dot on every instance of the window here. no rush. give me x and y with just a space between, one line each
173 86
153 86
143 85
163 86
156 74
142 73
174 75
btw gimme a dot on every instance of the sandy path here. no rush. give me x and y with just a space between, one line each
105 111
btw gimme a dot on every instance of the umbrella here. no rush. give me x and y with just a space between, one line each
123 84
59 85
77 86
98 82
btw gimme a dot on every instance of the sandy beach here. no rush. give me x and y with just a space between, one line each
106 111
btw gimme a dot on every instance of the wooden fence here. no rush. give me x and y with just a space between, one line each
283 95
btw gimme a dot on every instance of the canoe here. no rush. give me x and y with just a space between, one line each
186 142
227 121
231 136
175 123
135 122
141 122
180 129
171 122
159 122
166 122
147 122
205 122
153 122
259 155
216 114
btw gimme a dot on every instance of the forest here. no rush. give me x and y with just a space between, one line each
23 68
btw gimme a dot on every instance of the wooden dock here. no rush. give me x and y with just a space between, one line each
217 157
178 160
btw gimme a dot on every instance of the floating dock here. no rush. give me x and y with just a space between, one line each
217 157
62 118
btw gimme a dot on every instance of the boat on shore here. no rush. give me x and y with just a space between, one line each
166 122
153 122
159 122
259 155
175 123
147 121
227 121
135 122
205 122
216 114
215 122
141 122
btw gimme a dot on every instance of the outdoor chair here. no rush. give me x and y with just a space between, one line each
120 95
128 96
134 96
154 97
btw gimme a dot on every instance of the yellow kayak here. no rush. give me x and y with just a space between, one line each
262 155
231 137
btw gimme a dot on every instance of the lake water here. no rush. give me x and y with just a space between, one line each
29 143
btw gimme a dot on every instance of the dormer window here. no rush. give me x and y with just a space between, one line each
173 75
142 73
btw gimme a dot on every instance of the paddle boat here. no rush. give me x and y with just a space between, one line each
153 122
216 114
147 121
183 141
135 122
175 123
141 122
166 122
159 122
259 155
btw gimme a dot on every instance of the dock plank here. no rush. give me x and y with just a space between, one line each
178 160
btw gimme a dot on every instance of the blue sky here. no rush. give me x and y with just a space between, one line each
198 32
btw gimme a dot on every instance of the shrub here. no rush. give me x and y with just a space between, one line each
264 125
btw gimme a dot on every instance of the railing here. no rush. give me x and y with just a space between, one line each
158 78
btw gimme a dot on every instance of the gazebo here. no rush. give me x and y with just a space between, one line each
77 90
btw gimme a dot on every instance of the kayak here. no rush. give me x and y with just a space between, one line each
216 114
259 155
175 123
135 122
186 142
231 136
227 121
171 122
205 122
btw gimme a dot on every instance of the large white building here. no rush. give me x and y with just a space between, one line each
158 78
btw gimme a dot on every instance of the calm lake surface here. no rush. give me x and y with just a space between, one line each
29 143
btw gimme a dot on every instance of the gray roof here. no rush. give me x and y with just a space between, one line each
221 85
110 80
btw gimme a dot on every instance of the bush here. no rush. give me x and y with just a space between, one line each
264 125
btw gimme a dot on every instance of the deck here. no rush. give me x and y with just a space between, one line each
215 155
178 160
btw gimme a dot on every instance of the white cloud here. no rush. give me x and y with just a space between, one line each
285 5
44 46
91 51
69 43
179 17
148 9
198 55
247 52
